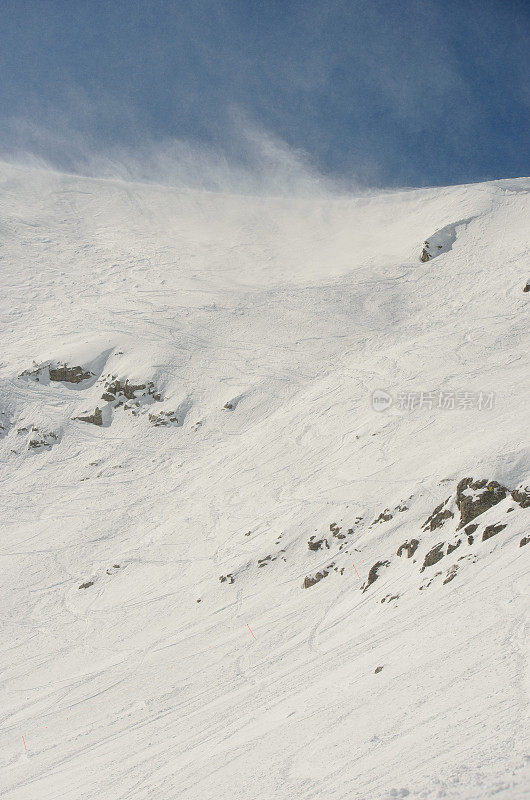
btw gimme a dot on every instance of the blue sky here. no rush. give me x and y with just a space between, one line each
372 92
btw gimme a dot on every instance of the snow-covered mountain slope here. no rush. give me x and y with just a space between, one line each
229 569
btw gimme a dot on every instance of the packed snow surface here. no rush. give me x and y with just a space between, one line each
226 571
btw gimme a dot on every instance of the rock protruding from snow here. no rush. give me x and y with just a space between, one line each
442 241
408 547
311 580
59 372
476 497
95 418
374 573
492 530
438 517
67 374
433 556
522 497
163 419
121 391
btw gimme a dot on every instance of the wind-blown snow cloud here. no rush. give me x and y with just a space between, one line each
251 160
381 93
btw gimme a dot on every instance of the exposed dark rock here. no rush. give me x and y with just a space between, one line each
262 562
451 547
522 497
229 577
95 418
408 547
426 585
41 439
389 597
34 373
384 516
451 573
378 669
228 407
433 556
317 545
470 530
374 573
123 390
67 374
163 418
402 508
310 580
86 585
438 517
424 254
492 530
486 495
527 288
524 540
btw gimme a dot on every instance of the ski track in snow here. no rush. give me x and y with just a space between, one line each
265 324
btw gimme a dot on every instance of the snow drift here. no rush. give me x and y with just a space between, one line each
227 571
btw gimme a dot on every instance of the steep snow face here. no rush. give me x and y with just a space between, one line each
265 493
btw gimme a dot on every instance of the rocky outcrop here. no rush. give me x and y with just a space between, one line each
475 497
95 418
60 373
438 517
317 545
336 531
492 530
408 547
384 516
41 439
374 573
311 580
469 531
451 573
451 547
522 497
433 556
67 374
163 419
116 390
